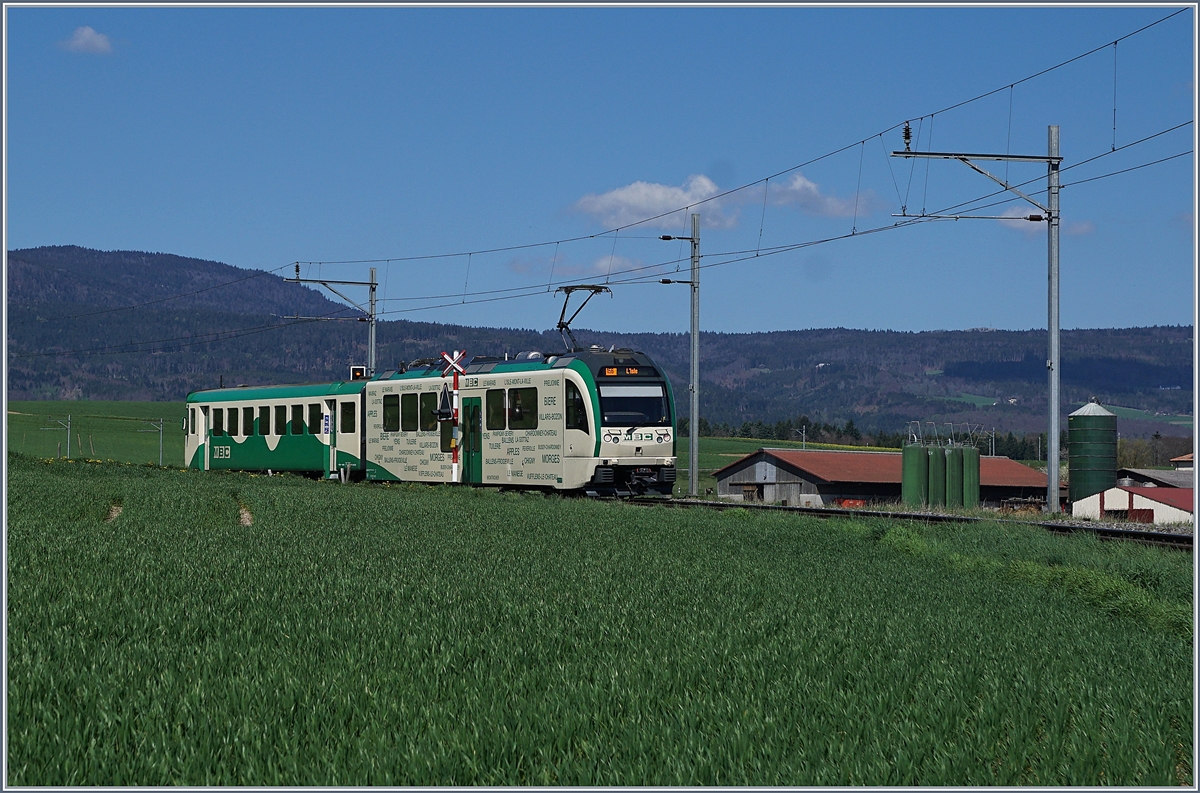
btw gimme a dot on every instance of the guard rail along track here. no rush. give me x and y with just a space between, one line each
1181 542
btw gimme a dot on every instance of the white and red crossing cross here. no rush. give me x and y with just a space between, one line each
454 362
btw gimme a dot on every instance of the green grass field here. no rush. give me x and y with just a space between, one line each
224 628
1146 415
99 430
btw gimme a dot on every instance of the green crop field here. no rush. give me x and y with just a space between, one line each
168 627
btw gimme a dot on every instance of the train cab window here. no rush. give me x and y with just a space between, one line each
429 406
280 419
391 412
314 419
576 411
495 409
408 413
347 417
447 436
297 420
218 422
522 409
191 421
264 420
247 421
634 406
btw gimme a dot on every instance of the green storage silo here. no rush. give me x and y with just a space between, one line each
937 476
954 476
914 475
1091 450
970 477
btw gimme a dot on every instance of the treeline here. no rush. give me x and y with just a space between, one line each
800 429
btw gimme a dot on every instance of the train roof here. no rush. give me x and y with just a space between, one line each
594 359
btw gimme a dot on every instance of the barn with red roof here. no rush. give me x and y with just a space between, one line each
821 478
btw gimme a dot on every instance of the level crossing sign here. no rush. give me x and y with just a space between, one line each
454 362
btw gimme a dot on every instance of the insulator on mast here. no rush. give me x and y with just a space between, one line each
907 137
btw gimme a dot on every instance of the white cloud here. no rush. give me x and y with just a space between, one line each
614 264
807 194
1081 228
1018 213
640 200
87 40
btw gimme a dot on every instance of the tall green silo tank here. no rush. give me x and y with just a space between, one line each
970 477
954 476
1091 451
914 475
937 476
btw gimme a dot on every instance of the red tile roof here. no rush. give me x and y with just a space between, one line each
1186 458
1003 471
884 467
1178 497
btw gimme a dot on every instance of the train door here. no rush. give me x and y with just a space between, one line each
205 436
331 428
472 440
578 440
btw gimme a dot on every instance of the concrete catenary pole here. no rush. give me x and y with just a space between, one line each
1052 321
694 421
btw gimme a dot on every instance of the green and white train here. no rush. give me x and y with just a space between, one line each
597 421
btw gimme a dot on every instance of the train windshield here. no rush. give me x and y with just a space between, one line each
634 406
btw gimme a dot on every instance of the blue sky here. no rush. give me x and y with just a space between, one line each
264 136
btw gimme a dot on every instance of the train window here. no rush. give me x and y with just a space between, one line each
429 406
264 420
218 422
391 412
576 410
231 422
280 419
634 406
447 428
408 413
314 419
495 409
191 421
297 420
522 408
347 417
247 421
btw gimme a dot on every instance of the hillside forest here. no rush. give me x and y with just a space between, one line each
87 324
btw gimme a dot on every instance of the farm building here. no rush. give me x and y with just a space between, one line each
1183 463
1155 477
1138 505
831 478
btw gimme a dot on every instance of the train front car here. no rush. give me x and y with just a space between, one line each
601 422
635 444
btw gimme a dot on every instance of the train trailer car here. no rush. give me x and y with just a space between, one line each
314 428
597 421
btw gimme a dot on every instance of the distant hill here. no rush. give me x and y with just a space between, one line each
200 322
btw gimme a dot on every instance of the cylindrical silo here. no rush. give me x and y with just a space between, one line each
970 477
914 475
1092 451
937 476
954 476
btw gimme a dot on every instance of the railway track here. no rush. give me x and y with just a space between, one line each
1182 542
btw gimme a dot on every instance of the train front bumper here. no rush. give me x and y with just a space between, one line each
633 476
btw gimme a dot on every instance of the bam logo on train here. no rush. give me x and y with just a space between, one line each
594 420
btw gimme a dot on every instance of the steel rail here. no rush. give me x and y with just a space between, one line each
1183 542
